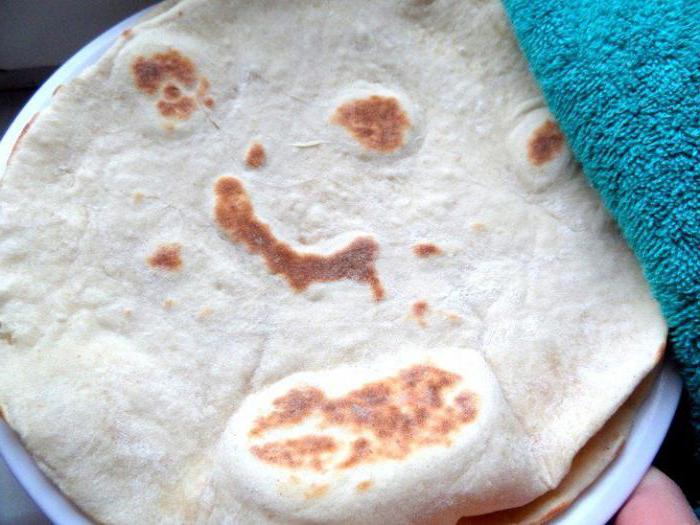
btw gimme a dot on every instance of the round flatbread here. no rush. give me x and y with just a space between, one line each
311 262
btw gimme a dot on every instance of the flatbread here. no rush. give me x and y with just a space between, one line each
311 262
586 467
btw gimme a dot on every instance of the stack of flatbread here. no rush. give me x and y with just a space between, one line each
314 262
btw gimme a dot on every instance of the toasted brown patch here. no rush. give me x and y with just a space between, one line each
203 92
426 249
391 418
303 452
453 317
203 88
290 409
7 337
364 486
316 491
150 73
182 109
378 123
235 215
545 143
419 309
204 313
166 257
171 91
168 74
478 227
127 33
22 133
127 312
168 304
138 197
255 157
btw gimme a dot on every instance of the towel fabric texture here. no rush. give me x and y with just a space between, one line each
623 79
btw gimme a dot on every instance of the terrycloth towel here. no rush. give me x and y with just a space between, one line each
623 79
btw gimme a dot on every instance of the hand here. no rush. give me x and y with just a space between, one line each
656 500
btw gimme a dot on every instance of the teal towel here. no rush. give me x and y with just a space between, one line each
623 79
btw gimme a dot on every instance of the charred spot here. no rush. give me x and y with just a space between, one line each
364 486
426 249
181 109
545 143
22 133
166 257
255 157
419 309
303 452
391 417
172 92
316 491
466 403
361 449
377 123
291 408
8 337
150 72
235 215
209 102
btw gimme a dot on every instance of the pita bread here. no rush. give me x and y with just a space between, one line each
263 264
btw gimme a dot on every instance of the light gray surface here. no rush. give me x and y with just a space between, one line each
37 33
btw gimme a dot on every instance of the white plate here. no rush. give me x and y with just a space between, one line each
595 506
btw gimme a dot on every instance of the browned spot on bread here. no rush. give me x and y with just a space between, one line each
390 418
166 257
361 450
22 133
290 409
127 33
205 312
168 304
419 309
127 312
316 491
364 486
171 91
181 109
203 92
235 215
138 197
7 337
426 249
303 452
544 143
478 227
203 87
150 73
255 157
378 123
172 72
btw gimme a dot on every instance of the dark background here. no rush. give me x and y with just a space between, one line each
36 36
